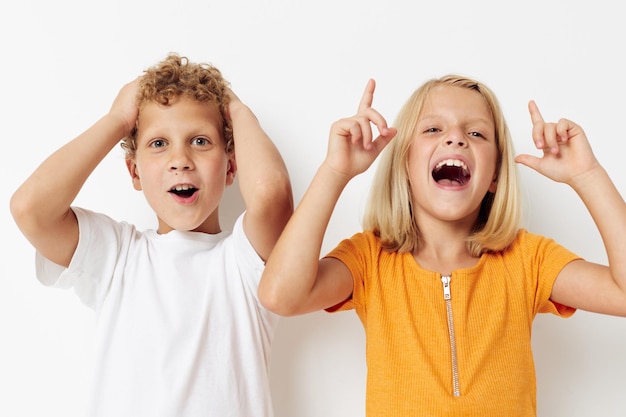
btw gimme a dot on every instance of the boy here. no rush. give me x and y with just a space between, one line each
180 328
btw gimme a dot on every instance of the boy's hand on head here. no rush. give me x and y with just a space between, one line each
352 147
231 95
566 150
124 107
234 103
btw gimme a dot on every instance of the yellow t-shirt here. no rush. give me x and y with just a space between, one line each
469 355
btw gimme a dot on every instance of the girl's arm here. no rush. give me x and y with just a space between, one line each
263 179
568 158
295 281
41 205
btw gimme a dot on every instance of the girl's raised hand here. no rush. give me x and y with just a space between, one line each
566 150
352 147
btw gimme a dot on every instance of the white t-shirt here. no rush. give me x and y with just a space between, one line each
181 331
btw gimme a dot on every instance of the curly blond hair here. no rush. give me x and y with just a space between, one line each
174 77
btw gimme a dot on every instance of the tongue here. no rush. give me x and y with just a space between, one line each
449 182
449 175
185 193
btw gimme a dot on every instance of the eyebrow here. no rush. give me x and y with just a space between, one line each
430 117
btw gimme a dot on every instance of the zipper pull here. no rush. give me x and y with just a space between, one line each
445 279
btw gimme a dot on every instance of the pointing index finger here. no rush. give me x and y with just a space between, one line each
368 95
535 114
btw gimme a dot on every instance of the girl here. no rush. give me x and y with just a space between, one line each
443 278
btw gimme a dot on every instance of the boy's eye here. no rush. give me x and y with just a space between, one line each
157 143
200 140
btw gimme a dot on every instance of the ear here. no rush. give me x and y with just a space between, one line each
494 185
231 169
134 174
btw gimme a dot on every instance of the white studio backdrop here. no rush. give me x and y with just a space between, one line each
300 66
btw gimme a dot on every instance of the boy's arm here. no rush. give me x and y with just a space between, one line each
41 205
568 158
295 281
263 179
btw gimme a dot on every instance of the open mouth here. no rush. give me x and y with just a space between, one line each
451 172
184 190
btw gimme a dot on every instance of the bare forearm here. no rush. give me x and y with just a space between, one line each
608 210
263 181
261 169
291 272
48 193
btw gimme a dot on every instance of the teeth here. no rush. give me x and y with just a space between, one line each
452 162
183 187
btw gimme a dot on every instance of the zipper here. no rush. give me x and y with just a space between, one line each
445 280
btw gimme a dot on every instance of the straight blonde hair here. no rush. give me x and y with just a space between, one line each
389 212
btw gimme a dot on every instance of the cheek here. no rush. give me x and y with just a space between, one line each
146 175
416 167
218 166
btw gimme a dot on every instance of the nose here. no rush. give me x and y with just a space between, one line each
180 160
455 138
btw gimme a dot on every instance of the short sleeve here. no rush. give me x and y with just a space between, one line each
549 259
102 243
355 253
250 264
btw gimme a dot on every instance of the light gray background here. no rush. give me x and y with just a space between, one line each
300 66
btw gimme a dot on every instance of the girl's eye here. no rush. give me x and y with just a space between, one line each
432 130
478 135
